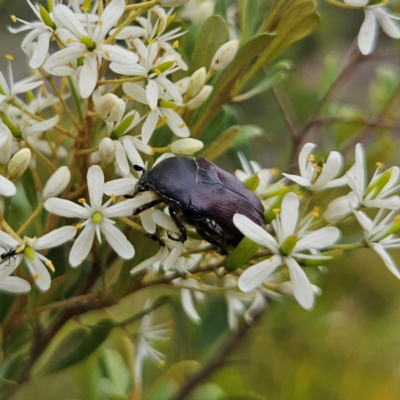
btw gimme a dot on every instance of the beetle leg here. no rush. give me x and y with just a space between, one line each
182 229
146 206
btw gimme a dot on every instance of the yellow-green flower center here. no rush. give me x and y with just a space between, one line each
29 252
97 217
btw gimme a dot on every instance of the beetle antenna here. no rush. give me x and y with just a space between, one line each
138 168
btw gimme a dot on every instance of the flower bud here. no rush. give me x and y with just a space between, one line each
196 83
224 55
288 244
6 141
172 3
186 146
200 98
7 189
18 164
57 183
106 150
110 107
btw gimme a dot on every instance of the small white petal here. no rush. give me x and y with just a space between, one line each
298 179
255 232
318 239
302 288
135 91
388 25
55 238
152 94
108 19
37 268
117 54
117 240
386 258
14 284
132 153
88 76
337 209
128 69
329 170
147 221
164 220
123 208
176 123
95 178
66 208
289 214
356 3
7 188
255 275
120 158
8 240
303 160
391 203
41 50
368 33
82 245
119 187
149 126
188 306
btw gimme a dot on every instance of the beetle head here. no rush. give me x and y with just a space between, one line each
142 184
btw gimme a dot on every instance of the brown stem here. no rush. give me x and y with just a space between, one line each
217 361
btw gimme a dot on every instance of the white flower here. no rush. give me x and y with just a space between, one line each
224 55
82 41
10 91
7 188
110 107
159 109
97 219
39 37
57 183
36 262
378 234
379 193
317 177
375 15
144 348
289 246
6 142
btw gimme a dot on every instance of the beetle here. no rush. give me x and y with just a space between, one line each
201 195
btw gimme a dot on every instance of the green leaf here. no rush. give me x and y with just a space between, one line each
78 345
242 253
7 386
298 21
247 133
248 12
252 182
223 89
29 188
213 33
209 391
220 8
223 142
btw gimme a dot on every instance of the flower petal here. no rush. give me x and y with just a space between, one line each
82 245
289 215
7 188
188 306
303 160
39 272
318 239
298 179
329 170
255 275
149 126
302 288
386 258
117 240
88 76
119 187
40 52
14 284
390 27
95 178
66 208
176 123
368 33
55 238
120 158
254 232
337 209
117 54
123 208
108 19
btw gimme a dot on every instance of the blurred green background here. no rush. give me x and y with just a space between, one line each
348 346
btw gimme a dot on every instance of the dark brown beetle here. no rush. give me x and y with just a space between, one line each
201 195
